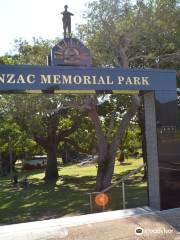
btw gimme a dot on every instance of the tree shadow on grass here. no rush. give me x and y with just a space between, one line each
85 182
68 196
45 200
117 177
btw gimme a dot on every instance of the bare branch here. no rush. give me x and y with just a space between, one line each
57 110
123 59
101 138
111 124
64 133
125 122
42 141
73 143
84 103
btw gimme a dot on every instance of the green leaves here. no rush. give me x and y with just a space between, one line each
12 135
151 27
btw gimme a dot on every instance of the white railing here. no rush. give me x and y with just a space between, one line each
122 181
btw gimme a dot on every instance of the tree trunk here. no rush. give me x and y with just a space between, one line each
105 172
51 169
107 151
50 144
121 157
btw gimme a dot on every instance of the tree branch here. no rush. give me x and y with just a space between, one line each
122 58
74 144
42 141
111 124
125 122
64 133
101 138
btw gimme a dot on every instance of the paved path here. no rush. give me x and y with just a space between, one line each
172 217
133 224
152 226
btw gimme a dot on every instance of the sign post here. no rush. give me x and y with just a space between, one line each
69 71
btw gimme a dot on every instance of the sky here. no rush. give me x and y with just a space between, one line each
35 18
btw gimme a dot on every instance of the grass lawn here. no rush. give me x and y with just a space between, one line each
68 196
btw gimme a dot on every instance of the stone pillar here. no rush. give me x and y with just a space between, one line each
168 140
152 151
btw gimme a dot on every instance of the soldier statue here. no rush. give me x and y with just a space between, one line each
66 22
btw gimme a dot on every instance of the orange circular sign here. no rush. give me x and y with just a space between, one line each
101 199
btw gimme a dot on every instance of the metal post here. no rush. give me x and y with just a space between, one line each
1 170
123 195
10 160
91 207
103 208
